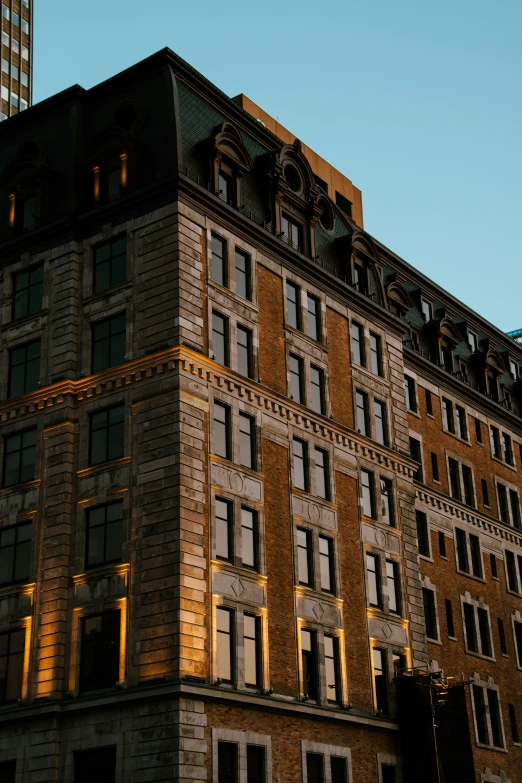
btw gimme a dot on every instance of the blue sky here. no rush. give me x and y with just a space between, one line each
417 102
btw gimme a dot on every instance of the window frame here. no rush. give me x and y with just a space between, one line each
107 409
99 246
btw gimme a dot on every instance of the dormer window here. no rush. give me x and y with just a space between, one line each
111 178
226 187
427 310
472 342
360 278
513 369
291 232
230 161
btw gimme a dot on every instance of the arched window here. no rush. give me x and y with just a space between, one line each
230 161
114 156
23 180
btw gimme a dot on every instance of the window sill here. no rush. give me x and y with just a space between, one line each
443 557
434 641
107 292
430 416
504 655
496 578
93 573
426 558
471 576
232 294
25 486
413 413
370 375
304 336
491 747
17 588
452 638
436 481
457 437
110 465
479 655
24 320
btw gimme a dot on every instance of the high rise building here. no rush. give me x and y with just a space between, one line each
260 478
17 56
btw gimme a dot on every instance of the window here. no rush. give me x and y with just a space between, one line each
429 402
19 457
331 664
472 341
15 553
387 508
291 232
6 13
304 557
374 586
380 680
493 564
426 310
326 562
361 404
108 343
314 317
106 435
338 768
318 395
462 426
388 773
297 378
225 187
469 492
252 638
409 388
442 544
8 771
381 430
480 714
25 79
512 578
478 431
243 275
25 50
430 616
12 646
25 26
220 330
222 439
375 354
476 556
503 508
508 448
100 651
485 493
5 65
249 537
392 577
447 415
309 663
515 508
496 449
449 617
110 264
434 467
219 260
96 764
256 764
16 19
502 636
360 279
513 723
485 638
300 464
416 455
244 352
322 478
454 475
518 640
247 450
224 619
293 305
16 73
28 292
227 762
462 551
315 767
368 493
423 535
104 534
495 719
358 344
24 368
224 538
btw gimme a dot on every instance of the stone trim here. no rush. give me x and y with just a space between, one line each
241 739
393 761
327 751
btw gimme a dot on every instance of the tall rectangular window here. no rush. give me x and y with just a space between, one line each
416 455
12 646
326 562
374 582
381 429
95 764
248 537
100 651
315 768
318 390
469 492
387 508
502 636
429 402
508 448
225 187
518 641
462 551
108 343
368 493
380 680
106 435
512 578
361 403
434 467
222 435
314 317
104 534
28 292
392 577
480 714
304 557
478 431
331 665
256 764
409 388
219 260
442 544
388 773
309 663
426 310
227 762
358 344
462 425
454 475
485 638
293 305
15 553
360 279
423 535
447 415
243 275
375 354
224 537
503 508
493 565
297 378
471 628
338 769
291 232
513 723
485 493
8 771
24 368
110 264
476 556
244 352
247 441
449 617
220 341
515 508
19 457
495 719
300 464
225 661
496 448
430 614
322 478
252 638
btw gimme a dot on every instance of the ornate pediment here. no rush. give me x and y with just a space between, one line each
228 144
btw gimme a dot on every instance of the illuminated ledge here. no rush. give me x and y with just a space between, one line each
114 464
117 569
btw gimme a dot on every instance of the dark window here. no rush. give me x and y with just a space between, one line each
318 395
339 769
462 426
428 597
387 509
449 617
100 651
471 627
227 762
222 440
442 544
315 768
104 534
331 665
361 403
256 764
409 388
314 317
300 464
423 534
515 508
485 638
480 714
220 339
243 275
252 639
454 475
493 564
293 305
511 571
108 343
416 455
380 680
494 717
19 457
447 415
225 187
429 402
496 448
503 508
476 557
219 260
244 352
502 636
106 435
426 310
12 646
304 557
374 582
368 493
358 344
96 764
508 448
8 771
326 561
291 232
392 578
343 204
462 551
469 493
322 478
518 640
513 723
296 378
485 493
375 354
225 662
28 292
15 553
247 445
388 774
24 368
478 431
249 537
381 430
309 663
224 537
110 264
360 279
434 467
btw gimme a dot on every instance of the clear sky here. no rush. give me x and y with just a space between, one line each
418 102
